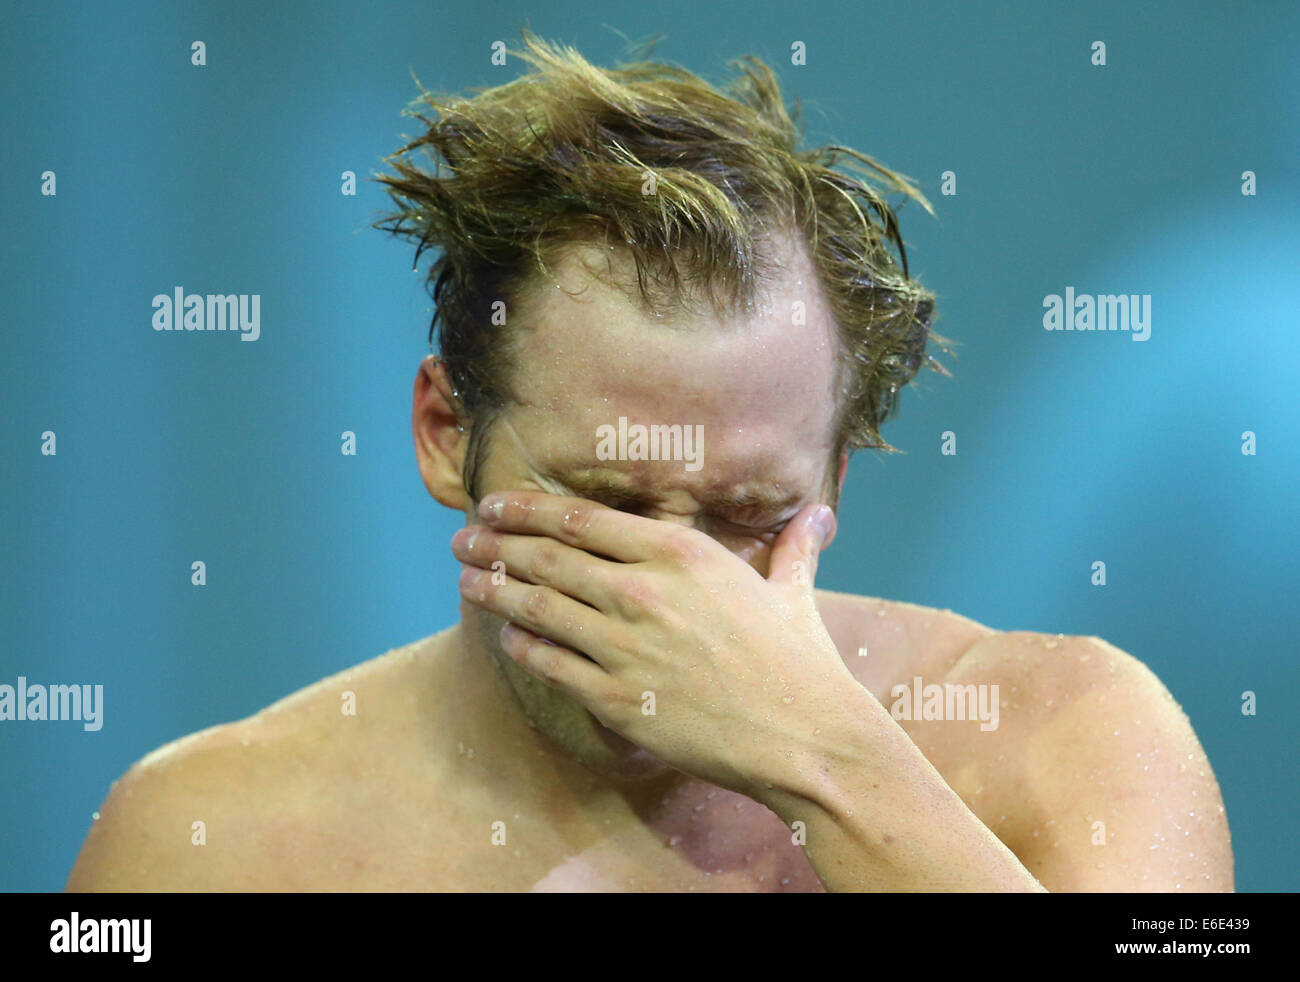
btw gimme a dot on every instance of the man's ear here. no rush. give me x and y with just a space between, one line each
439 443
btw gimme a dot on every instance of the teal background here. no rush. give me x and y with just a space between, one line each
225 178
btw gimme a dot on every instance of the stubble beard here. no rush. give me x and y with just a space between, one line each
563 720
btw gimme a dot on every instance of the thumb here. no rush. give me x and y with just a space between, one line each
798 547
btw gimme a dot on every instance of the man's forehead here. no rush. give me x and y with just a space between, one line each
585 282
588 354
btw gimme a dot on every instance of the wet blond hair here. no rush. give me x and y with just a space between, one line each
566 154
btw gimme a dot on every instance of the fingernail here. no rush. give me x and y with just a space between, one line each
490 507
824 520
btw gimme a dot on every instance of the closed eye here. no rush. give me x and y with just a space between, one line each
748 521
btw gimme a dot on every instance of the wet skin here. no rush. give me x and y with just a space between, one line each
473 764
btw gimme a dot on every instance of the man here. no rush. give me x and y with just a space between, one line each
645 690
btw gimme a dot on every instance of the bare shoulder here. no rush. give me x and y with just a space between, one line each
882 641
1087 767
217 809
1094 775
150 833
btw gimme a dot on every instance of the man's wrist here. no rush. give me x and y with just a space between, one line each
830 757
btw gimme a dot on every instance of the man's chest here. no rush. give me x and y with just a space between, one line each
467 850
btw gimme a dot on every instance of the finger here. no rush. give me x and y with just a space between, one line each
797 550
557 666
545 612
576 522
542 561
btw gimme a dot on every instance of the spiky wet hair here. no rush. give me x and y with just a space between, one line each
563 154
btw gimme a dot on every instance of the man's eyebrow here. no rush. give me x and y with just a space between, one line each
598 486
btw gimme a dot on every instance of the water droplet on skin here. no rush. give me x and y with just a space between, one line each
94 816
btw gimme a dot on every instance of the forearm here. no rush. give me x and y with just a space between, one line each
877 816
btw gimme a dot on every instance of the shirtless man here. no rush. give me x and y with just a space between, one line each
699 716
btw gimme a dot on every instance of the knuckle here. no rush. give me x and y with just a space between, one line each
576 521
534 606
542 563
615 705
546 664
682 549
638 595
625 700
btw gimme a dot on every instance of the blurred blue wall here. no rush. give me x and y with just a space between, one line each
1071 447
